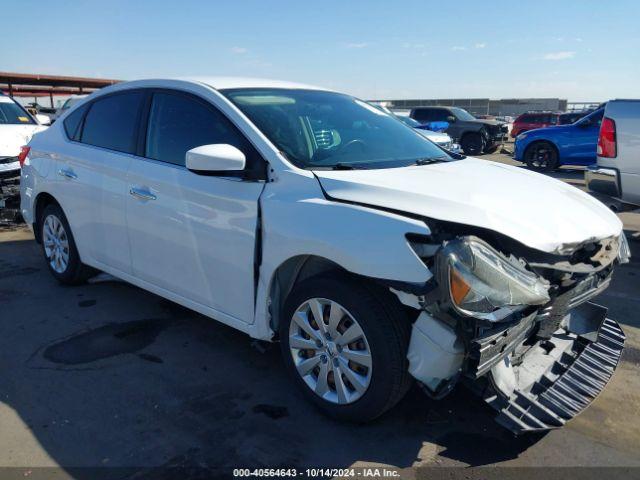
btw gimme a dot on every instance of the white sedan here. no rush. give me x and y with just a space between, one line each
17 126
301 215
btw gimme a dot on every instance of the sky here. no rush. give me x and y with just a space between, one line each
578 50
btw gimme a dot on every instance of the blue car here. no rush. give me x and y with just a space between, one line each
551 147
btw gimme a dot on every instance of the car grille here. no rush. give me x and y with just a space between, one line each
4 160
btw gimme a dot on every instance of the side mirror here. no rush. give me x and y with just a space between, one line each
43 119
451 119
219 157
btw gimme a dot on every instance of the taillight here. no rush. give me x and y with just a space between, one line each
24 151
607 139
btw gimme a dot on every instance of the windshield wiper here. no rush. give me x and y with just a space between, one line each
337 166
430 160
346 166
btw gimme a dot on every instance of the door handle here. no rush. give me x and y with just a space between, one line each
67 174
141 194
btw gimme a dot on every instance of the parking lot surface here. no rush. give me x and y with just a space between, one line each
106 374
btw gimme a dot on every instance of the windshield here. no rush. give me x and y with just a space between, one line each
462 114
13 114
70 102
409 121
317 129
594 118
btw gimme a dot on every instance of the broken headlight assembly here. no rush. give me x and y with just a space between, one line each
625 252
481 282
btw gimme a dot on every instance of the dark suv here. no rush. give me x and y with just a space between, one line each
476 136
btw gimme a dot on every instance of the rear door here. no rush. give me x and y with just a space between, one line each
92 176
193 235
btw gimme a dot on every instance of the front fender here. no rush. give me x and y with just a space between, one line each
299 221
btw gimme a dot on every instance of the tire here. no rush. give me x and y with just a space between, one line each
385 335
59 248
541 156
473 143
491 149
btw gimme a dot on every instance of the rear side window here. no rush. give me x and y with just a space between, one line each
178 123
423 115
525 119
111 122
440 115
72 123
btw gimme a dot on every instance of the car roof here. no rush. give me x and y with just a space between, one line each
433 106
222 83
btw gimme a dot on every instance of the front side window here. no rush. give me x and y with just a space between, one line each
178 123
13 114
111 122
318 129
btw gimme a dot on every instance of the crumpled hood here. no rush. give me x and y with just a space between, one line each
12 137
538 211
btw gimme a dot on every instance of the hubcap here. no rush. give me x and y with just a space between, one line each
541 157
56 244
330 351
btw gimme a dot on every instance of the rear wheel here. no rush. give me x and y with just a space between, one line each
541 156
473 143
59 248
345 344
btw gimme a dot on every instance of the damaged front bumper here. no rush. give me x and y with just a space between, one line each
558 377
537 365
534 383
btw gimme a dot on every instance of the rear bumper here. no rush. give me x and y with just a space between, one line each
559 377
605 181
604 184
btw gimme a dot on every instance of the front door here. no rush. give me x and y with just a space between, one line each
583 139
193 235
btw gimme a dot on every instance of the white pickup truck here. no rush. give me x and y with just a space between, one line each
615 179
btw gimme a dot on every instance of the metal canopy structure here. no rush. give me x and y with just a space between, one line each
36 85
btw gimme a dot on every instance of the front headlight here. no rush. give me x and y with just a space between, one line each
624 254
481 280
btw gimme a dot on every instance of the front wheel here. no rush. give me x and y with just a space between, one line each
345 344
59 248
541 156
473 143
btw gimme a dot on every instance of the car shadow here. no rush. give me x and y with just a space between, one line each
107 375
